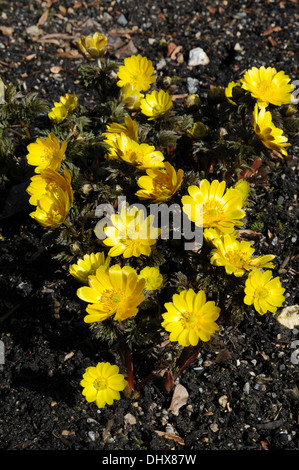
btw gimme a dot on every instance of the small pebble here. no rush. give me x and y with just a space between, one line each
260 387
192 85
214 427
122 20
198 56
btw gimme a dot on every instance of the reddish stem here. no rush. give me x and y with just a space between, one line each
126 358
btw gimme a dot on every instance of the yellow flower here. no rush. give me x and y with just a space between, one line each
244 187
114 130
190 318
46 153
52 208
271 136
131 233
58 113
229 91
102 384
220 209
153 278
49 180
131 97
156 104
212 235
263 292
268 86
236 256
93 47
70 101
138 71
67 103
141 156
198 130
88 265
113 291
160 185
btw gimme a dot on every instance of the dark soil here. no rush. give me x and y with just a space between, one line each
244 395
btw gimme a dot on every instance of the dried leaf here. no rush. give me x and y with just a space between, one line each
125 33
274 29
66 432
68 356
30 57
179 399
43 18
129 419
55 69
171 436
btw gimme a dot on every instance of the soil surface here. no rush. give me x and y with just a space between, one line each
242 396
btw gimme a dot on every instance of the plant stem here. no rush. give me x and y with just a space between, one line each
126 358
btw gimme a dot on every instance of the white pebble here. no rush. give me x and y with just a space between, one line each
198 56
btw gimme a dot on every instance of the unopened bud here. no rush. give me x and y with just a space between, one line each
192 101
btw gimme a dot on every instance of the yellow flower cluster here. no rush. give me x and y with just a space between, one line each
61 109
88 265
50 190
116 292
267 87
135 76
236 256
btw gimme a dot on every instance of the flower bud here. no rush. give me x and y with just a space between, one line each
167 82
216 95
93 47
192 101
198 130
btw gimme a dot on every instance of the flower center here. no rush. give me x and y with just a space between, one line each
47 154
265 90
100 383
110 299
190 320
212 212
157 108
261 292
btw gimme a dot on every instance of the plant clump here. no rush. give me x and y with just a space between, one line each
144 203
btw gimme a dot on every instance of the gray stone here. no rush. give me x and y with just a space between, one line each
198 56
122 20
192 85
